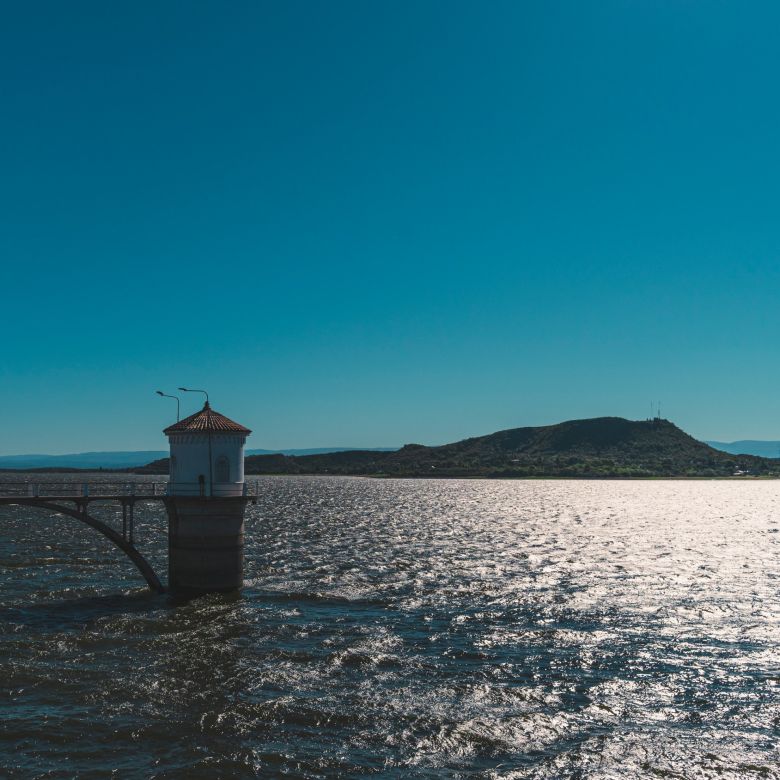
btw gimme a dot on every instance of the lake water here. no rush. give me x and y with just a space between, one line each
415 629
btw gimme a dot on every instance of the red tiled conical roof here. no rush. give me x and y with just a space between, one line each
206 421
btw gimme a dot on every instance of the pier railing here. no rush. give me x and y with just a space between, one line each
125 489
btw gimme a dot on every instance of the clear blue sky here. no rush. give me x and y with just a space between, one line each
374 223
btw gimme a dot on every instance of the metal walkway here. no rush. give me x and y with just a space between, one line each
73 499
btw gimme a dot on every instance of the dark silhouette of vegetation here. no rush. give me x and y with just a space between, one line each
600 447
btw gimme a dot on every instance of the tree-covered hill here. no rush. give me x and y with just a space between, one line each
600 447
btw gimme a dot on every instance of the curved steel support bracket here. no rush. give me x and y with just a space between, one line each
126 547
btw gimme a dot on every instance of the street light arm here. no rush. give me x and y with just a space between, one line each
191 390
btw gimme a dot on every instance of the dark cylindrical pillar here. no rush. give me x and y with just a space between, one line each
205 543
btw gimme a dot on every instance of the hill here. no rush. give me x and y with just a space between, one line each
600 447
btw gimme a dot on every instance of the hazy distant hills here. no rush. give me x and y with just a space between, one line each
123 460
765 449
601 447
81 460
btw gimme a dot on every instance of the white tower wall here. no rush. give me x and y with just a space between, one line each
190 455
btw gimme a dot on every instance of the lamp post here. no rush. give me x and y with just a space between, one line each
175 398
208 430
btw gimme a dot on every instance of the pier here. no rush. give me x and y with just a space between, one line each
74 499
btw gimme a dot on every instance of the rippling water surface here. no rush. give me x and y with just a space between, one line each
420 629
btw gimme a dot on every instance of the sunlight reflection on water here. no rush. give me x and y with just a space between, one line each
420 628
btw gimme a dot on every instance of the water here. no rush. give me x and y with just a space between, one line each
415 629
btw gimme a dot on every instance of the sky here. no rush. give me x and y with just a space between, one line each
369 224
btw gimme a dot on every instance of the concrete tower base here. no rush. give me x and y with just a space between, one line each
205 543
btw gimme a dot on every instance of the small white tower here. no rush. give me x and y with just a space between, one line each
205 503
207 455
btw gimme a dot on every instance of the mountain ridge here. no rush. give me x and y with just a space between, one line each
764 448
589 448
131 459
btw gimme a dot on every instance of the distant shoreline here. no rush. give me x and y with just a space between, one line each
442 477
599 448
